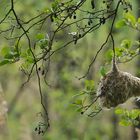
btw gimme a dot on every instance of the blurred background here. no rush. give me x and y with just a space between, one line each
23 104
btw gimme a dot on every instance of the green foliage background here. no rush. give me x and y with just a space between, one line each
67 123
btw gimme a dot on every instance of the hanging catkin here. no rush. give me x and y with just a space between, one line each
116 87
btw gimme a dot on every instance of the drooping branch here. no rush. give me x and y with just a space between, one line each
106 41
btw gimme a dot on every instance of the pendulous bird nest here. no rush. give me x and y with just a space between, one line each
116 87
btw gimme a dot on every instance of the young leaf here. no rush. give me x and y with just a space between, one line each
134 113
130 18
89 84
126 43
125 122
102 71
119 111
120 24
5 50
40 36
138 20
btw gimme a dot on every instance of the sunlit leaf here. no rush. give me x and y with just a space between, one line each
138 20
5 50
125 123
119 111
89 84
40 36
135 113
126 43
130 17
120 23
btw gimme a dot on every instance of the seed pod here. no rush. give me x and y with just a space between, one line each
36 129
39 132
80 35
108 6
74 17
116 87
51 17
55 15
43 72
92 4
82 113
39 69
102 20
89 23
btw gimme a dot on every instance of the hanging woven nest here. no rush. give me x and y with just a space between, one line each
116 87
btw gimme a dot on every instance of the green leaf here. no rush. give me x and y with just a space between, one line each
43 43
89 84
8 53
40 36
134 113
29 59
79 109
125 123
109 55
46 10
78 102
119 111
5 50
119 51
126 43
130 18
102 71
120 24
9 56
3 62
138 20
28 52
55 5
